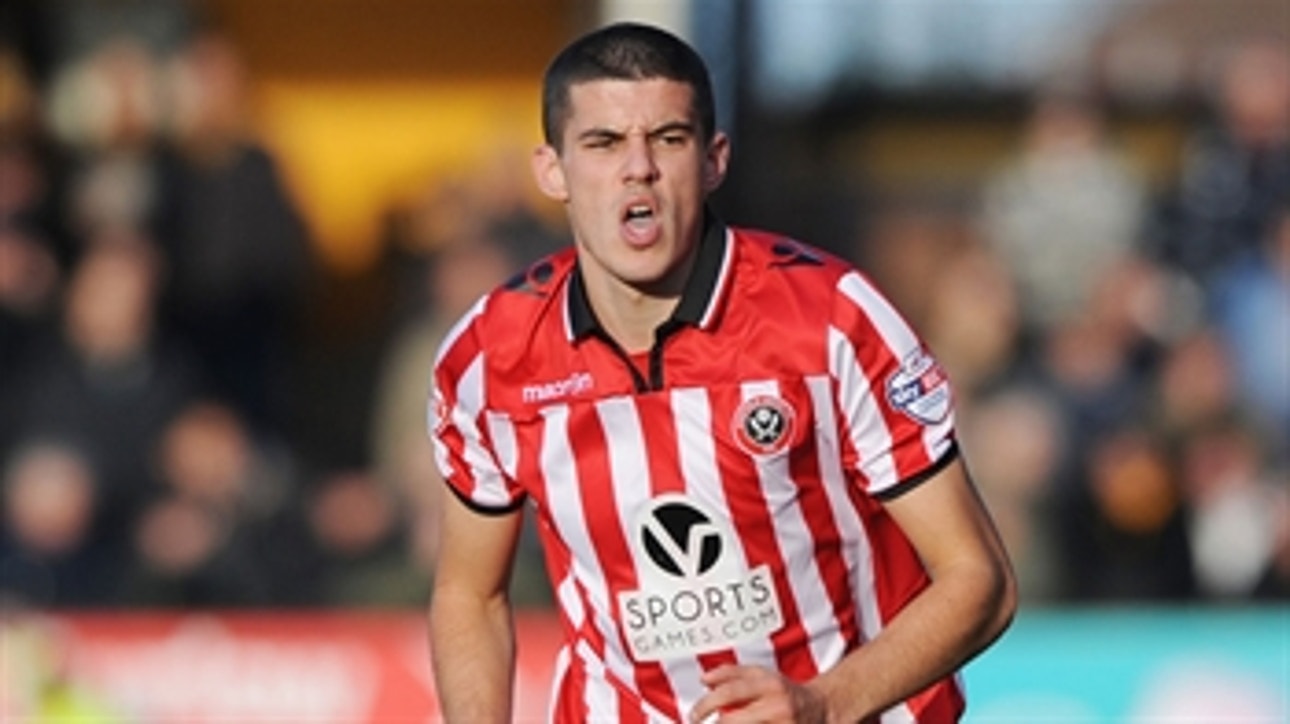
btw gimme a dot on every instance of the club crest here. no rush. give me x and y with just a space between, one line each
763 425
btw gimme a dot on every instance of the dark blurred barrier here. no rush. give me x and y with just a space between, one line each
1081 666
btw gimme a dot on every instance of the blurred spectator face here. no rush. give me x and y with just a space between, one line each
176 536
110 301
351 514
1225 456
49 500
206 88
1255 93
22 180
1132 484
205 454
464 271
18 96
109 100
1196 381
28 273
973 318
1016 438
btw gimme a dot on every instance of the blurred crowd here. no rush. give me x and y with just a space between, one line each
1120 350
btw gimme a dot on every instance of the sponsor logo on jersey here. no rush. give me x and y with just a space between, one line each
695 596
763 425
575 384
920 388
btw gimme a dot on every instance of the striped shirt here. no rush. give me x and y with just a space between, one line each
717 500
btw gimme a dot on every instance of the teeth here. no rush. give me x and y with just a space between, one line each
636 212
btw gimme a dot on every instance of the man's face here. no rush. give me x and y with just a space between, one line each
633 174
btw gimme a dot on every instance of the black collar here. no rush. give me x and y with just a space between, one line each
697 298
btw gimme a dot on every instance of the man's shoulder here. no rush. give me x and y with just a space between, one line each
504 322
782 259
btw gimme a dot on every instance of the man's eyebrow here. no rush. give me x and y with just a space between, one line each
600 133
673 127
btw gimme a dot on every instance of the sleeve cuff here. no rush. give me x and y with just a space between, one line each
910 483
489 510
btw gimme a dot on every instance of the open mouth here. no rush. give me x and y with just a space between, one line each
640 223
638 214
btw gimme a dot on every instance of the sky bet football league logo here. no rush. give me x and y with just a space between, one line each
696 595
920 388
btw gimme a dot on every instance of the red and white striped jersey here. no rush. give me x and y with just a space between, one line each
717 499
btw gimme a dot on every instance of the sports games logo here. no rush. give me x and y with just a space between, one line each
695 595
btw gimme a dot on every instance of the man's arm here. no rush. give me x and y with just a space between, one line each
472 637
969 603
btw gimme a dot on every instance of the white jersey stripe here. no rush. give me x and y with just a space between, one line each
450 338
857 549
814 606
864 421
560 474
490 485
602 703
502 431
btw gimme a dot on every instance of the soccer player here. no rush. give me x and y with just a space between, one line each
741 459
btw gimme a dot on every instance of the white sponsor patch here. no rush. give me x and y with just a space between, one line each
695 597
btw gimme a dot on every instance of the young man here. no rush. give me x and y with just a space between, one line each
741 458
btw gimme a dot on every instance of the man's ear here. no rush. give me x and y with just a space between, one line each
549 174
716 162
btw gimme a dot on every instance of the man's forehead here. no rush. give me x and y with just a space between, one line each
614 101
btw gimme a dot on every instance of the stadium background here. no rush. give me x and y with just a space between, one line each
1067 197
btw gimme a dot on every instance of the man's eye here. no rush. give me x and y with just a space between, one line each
674 139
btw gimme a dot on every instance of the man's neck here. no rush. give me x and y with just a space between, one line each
630 315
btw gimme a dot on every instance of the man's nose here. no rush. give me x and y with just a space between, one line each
638 162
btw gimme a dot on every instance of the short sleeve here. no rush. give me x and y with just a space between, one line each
456 417
895 399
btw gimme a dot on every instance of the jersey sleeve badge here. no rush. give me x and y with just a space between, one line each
920 388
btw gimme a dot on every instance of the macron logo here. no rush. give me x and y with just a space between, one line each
575 384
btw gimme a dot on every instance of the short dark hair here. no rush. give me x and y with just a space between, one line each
624 51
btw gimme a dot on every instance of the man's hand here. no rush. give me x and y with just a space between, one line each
755 694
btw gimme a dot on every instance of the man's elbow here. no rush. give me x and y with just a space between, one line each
1002 601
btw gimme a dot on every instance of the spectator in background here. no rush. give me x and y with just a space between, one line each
974 320
33 250
361 544
1064 209
105 108
30 280
209 537
1124 534
48 556
459 272
1251 313
104 382
235 245
1019 445
1239 515
1235 170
